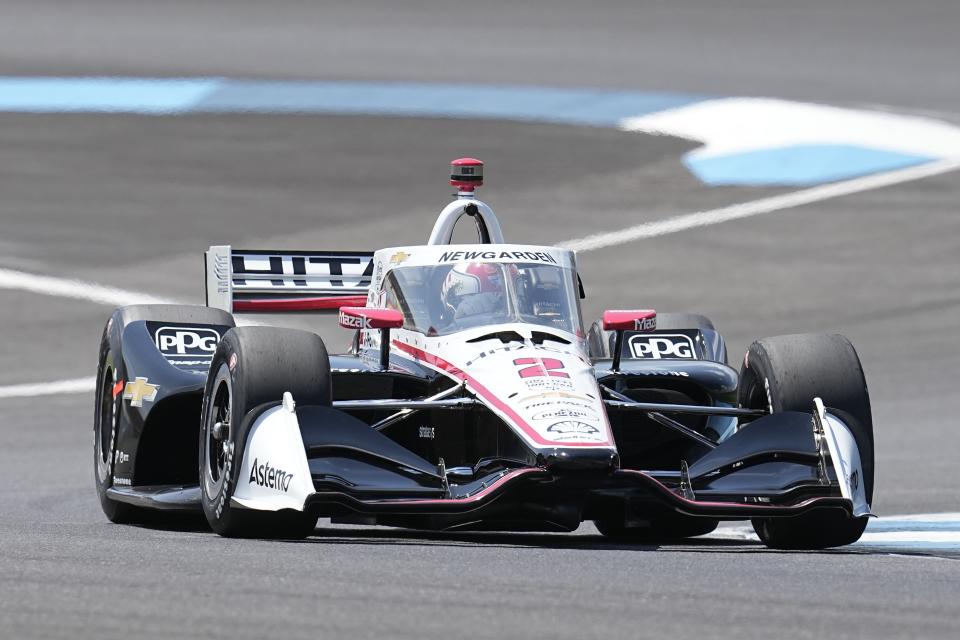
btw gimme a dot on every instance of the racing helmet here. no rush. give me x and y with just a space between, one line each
471 282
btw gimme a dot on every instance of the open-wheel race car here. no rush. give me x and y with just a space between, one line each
472 398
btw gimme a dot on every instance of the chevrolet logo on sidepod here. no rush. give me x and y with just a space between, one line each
399 257
138 391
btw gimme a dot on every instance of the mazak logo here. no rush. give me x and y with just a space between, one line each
186 345
662 347
351 321
269 477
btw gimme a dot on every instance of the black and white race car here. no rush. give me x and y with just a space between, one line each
472 398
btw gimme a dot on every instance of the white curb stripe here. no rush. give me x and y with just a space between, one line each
734 125
758 207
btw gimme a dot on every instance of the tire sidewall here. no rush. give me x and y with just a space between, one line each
257 364
761 388
215 495
110 370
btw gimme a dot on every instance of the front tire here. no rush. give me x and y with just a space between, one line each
253 366
786 373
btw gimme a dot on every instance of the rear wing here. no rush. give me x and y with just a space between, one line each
245 281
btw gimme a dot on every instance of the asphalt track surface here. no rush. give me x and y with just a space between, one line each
131 201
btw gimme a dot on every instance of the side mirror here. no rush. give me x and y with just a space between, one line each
630 320
369 318
627 320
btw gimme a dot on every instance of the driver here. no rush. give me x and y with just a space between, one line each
475 288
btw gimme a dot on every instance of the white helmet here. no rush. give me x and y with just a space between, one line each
471 278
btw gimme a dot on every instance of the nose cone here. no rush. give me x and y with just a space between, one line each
549 394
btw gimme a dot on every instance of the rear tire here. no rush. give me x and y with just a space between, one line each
105 421
108 408
253 366
786 373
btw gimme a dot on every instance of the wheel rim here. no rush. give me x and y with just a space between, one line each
216 454
106 423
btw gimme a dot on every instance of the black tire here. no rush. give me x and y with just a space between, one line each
786 373
661 529
253 366
110 369
105 420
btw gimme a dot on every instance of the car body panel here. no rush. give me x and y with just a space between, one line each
517 421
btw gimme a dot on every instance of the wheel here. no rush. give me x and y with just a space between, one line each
253 366
662 528
105 421
108 414
786 373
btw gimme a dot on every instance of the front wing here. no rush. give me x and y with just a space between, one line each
778 465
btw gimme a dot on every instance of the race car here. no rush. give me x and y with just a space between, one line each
472 398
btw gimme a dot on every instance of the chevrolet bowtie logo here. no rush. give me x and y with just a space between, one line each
399 257
138 391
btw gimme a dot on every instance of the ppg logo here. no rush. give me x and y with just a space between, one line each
662 346
182 343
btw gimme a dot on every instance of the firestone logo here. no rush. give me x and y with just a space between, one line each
269 477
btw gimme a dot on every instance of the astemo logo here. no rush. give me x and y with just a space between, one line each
269 477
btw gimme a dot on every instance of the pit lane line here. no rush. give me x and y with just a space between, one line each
112 296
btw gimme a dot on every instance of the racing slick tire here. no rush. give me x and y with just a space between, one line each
600 342
253 366
660 529
786 373
110 370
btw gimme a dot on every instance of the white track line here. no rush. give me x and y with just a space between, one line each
66 288
76 385
76 289
758 207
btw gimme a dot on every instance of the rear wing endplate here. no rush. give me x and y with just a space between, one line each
246 281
